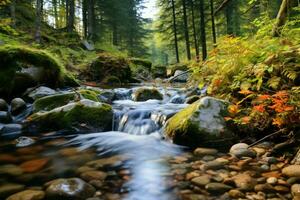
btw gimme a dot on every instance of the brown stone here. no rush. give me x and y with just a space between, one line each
34 165
28 195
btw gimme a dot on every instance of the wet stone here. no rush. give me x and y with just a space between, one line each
93 175
201 181
217 188
11 130
69 189
17 106
5 117
12 170
213 165
3 105
236 194
9 189
24 141
28 195
272 180
292 171
205 152
34 165
244 182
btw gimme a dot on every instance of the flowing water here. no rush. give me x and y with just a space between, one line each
135 148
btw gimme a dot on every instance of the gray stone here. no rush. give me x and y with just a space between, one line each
69 189
3 105
24 141
17 106
11 130
107 96
5 117
41 92
213 165
241 150
180 76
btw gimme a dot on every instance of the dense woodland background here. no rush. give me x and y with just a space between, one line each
238 50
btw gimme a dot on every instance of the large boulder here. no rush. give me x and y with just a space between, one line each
107 65
83 114
173 68
201 124
144 94
159 71
22 67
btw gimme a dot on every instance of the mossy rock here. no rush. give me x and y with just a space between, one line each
107 65
159 71
201 124
144 94
111 80
90 114
23 67
138 62
54 101
171 69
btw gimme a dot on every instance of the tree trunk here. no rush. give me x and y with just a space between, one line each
281 18
91 19
194 30
115 35
203 32
71 16
13 13
214 36
175 32
38 20
54 4
186 30
84 18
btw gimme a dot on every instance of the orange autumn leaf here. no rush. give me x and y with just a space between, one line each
288 108
281 94
246 120
217 82
263 97
278 121
227 118
233 109
259 108
245 92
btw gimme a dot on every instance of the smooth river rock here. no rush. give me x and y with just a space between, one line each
291 171
69 189
28 195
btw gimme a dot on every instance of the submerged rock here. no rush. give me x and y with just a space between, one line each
9 189
28 195
201 124
11 130
5 117
82 114
291 171
69 189
144 94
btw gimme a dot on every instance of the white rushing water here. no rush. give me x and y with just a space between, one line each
138 135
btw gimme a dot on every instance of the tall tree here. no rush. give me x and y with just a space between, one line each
203 31
175 31
38 21
213 26
84 18
186 30
194 29
91 19
70 15
13 12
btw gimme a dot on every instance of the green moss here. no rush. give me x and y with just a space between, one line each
112 80
89 94
108 65
50 102
173 68
90 113
159 71
144 94
141 62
